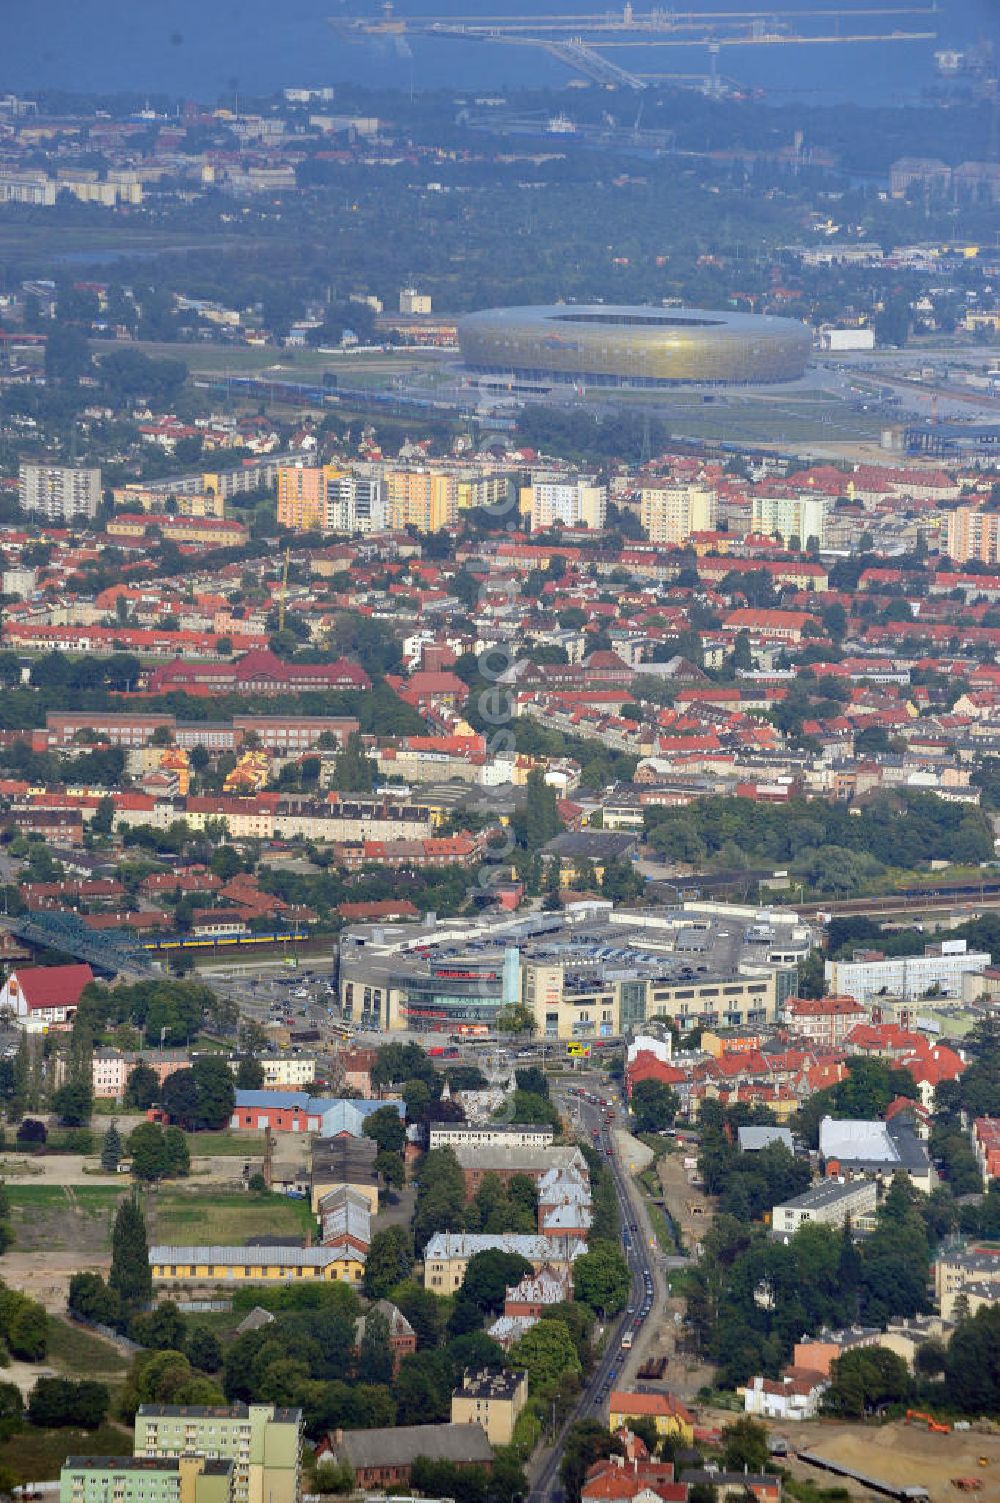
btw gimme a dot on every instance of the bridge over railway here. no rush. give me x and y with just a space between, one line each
113 951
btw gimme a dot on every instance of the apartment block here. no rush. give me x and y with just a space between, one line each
59 492
301 498
493 1399
491 1135
425 499
870 973
447 1254
802 517
564 500
138 1479
353 503
968 1274
974 533
261 1440
670 513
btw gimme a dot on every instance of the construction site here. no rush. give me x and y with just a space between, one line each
906 1459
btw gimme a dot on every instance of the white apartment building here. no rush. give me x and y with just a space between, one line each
572 500
492 1135
59 492
670 513
355 503
802 517
283 1071
830 1202
870 973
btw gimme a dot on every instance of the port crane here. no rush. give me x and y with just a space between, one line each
579 39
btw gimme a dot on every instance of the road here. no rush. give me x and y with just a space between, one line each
544 1471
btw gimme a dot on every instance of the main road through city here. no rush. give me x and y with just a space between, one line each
648 1290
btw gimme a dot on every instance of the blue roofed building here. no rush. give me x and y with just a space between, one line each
297 1111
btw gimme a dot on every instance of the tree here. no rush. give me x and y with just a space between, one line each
391 1168
386 1127
389 1261
216 1091
375 1354
525 1106
163 1329
516 1019
972 1365
352 770
203 1349
601 1279
586 1442
91 1299
249 1074
423 1389
148 1152
423 1309
541 817
417 1096
11 1402
111 1149
865 1379
532 1080
200 1097
176 1152
745 1446
57 1402
547 1351
655 1105
490 1274
67 355
741 657
103 820
28 1331
440 1196
74 1103
31 1133
225 860
131 1276
333 1477
141 1088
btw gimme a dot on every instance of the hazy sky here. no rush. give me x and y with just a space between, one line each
196 47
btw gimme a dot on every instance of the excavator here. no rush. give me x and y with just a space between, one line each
932 1424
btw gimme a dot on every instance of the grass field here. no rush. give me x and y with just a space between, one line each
55 1218
177 1216
93 1200
287 365
37 1455
78 1353
239 1145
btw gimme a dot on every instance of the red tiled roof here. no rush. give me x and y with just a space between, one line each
623 1402
53 985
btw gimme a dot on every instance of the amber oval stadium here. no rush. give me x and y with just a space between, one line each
604 345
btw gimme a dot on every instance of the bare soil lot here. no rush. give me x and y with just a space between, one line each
900 1454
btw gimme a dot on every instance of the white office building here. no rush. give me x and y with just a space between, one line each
939 970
